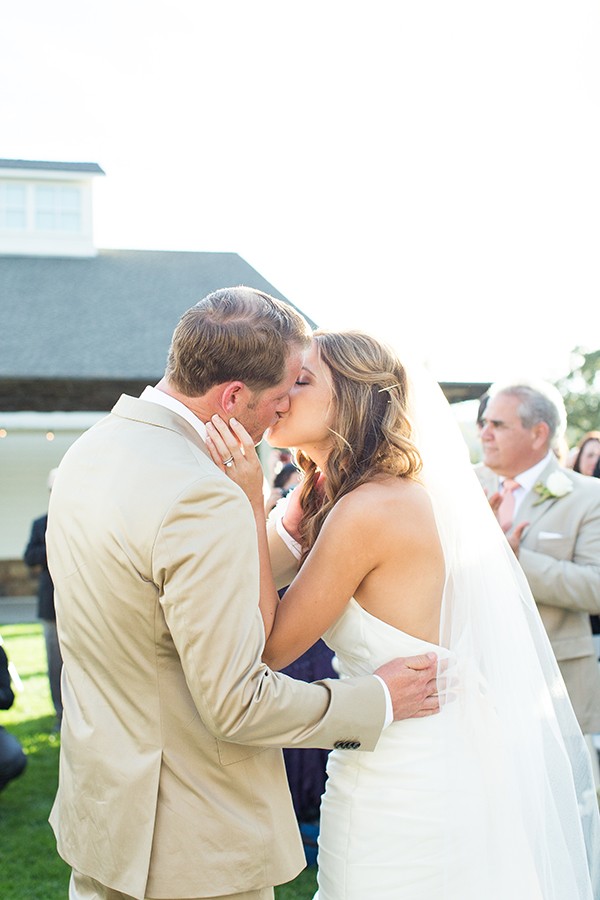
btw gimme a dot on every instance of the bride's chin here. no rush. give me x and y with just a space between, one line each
272 438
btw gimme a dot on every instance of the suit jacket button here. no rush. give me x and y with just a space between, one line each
354 745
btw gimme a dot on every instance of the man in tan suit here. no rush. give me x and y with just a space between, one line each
172 783
551 516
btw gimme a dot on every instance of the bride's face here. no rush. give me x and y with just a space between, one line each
306 425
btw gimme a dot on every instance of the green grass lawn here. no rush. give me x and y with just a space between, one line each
30 868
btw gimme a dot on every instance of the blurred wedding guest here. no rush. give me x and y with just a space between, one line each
35 557
286 479
551 517
588 453
12 758
595 620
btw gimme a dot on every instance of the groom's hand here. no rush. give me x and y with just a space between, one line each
412 684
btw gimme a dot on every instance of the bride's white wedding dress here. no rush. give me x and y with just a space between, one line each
383 828
494 797
423 817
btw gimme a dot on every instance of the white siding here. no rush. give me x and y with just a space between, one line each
26 458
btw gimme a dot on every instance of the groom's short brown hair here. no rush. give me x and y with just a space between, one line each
234 334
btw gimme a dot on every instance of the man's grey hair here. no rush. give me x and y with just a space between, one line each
540 401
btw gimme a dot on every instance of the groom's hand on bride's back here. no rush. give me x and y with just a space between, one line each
412 682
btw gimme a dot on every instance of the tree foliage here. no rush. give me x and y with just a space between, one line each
580 389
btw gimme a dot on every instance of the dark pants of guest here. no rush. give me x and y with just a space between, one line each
12 758
54 664
306 768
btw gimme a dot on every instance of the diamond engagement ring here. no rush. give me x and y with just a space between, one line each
228 462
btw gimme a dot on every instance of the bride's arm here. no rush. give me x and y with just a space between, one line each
284 549
344 553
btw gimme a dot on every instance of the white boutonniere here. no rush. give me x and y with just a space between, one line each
557 485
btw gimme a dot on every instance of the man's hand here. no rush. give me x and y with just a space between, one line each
495 500
514 539
413 686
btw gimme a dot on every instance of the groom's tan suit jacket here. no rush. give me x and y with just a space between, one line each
171 780
560 555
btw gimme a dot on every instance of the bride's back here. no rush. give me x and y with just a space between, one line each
405 582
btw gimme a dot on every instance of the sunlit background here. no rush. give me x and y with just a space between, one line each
426 170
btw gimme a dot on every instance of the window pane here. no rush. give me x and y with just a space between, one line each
45 220
69 221
58 208
69 199
45 197
13 218
13 209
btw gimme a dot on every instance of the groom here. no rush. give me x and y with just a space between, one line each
172 783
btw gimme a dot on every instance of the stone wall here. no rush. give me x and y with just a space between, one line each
16 579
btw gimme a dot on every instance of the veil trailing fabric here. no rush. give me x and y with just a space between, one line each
522 813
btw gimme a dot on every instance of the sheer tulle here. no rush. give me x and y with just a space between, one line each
524 823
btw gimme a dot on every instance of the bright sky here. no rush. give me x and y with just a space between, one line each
426 169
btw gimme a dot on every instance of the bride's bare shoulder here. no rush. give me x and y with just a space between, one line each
386 498
380 519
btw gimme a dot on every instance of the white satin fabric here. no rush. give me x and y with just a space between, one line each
383 814
424 817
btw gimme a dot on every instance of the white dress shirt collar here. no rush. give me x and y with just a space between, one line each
529 477
153 395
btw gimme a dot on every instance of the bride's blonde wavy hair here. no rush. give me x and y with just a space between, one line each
370 431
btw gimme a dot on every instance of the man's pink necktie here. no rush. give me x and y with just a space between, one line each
506 510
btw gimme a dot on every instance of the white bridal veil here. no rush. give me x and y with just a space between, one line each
522 809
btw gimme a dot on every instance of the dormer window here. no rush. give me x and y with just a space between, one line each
40 207
46 208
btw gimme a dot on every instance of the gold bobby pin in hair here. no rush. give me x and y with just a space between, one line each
389 389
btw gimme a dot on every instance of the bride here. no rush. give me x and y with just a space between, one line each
400 554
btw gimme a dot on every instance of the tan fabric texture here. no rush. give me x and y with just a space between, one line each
81 887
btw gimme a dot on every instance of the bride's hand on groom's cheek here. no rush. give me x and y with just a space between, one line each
232 450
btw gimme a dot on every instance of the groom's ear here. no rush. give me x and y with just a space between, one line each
231 396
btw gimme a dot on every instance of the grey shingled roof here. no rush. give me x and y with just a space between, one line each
107 317
37 164
74 333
